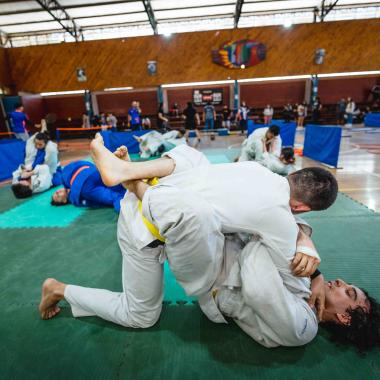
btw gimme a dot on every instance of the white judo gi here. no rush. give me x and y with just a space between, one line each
41 180
275 165
151 142
195 247
252 147
51 154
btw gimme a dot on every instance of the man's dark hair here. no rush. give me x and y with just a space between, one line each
288 154
182 131
190 104
316 187
55 203
21 191
274 129
363 331
42 136
18 105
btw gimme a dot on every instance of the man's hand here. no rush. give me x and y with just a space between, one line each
317 298
26 174
304 265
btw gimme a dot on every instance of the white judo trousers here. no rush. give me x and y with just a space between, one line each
194 249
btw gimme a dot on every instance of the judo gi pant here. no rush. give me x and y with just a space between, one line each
194 249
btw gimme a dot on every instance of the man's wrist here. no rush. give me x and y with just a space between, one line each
315 274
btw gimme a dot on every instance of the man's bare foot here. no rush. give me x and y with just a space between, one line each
122 153
112 169
52 293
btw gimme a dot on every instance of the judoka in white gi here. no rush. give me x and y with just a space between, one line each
283 165
154 143
253 285
260 141
39 171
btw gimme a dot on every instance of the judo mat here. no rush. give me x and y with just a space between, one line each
184 344
37 212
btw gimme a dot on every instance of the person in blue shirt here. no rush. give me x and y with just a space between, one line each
134 116
83 187
18 119
209 116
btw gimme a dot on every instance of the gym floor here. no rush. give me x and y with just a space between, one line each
79 246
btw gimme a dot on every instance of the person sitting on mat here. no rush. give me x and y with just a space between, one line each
244 277
41 169
283 165
262 140
83 187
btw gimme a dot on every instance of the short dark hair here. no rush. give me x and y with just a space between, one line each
55 203
316 187
18 105
288 154
182 131
363 331
274 129
189 104
42 136
21 191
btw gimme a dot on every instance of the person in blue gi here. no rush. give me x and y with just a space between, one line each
18 119
83 187
134 117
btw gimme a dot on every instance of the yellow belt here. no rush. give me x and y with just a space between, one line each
150 226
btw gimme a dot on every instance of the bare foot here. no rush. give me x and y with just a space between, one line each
112 169
122 153
52 293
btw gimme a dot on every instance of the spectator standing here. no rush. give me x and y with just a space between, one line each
350 110
134 116
162 121
316 110
242 116
85 121
209 116
103 121
226 117
341 108
112 121
301 113
268 114
191 121
18 119
287 112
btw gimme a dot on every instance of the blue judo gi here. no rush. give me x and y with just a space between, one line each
87 188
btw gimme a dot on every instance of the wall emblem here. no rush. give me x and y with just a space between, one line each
234 54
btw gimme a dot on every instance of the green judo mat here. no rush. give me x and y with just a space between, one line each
184 344
37 212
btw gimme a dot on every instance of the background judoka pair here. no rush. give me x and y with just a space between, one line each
264 145
191 208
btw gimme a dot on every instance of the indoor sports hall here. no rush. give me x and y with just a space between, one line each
190 189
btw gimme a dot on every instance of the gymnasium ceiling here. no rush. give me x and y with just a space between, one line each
35 22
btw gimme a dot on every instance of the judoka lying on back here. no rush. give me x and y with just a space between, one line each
40 170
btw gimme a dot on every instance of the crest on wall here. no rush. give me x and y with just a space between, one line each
234 54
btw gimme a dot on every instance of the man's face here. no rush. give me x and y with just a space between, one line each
60 196
341 297
134 104
26 182
269 135
39 144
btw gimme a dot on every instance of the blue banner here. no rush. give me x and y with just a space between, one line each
112 140
12 154
322 143
372 120
287 130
